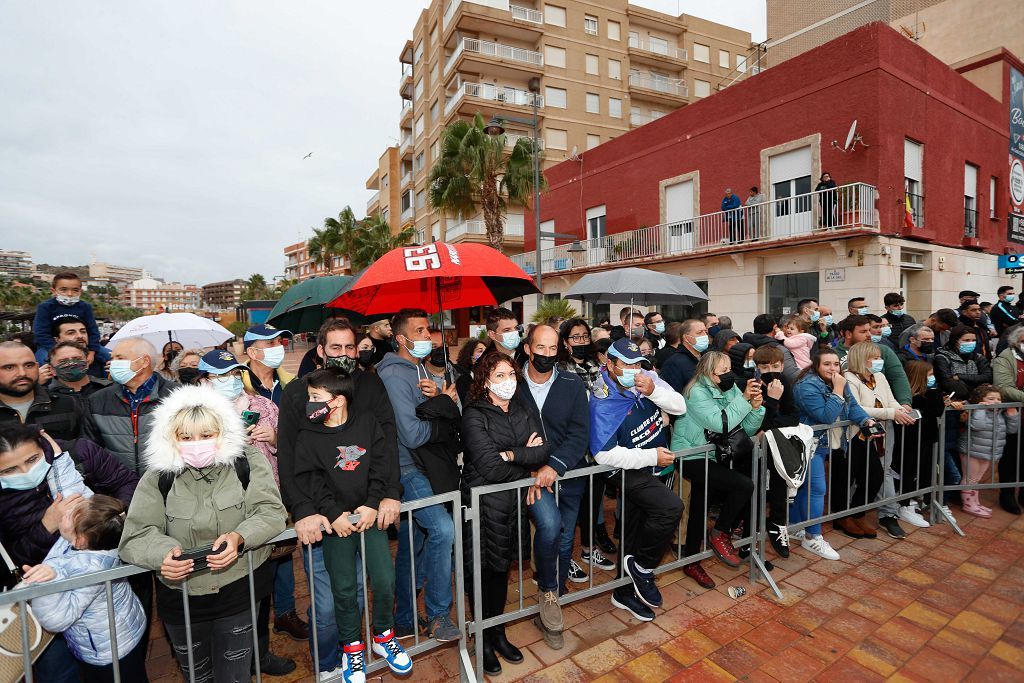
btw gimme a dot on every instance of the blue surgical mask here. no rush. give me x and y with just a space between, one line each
701 343
230 387
877 365
886 331
748 364
898 312
121 371
968 347
875 338
931 381
421 348
273 356
26 481
863 310
628 377
659 327
1010 298
815 315
511 340
828 319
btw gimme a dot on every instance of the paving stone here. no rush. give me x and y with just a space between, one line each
807 580
904 633
977 625
878 656
802 618
652 667
827 601
846 670
754 609
643 638
793 666
704 671
874 608
564 671
602 658
571 643
825 646
930 664
711 603
851 626
689 648
772 636
739 657
724 628
679 620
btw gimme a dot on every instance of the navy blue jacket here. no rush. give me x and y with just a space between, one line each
679 368
49 311
566 420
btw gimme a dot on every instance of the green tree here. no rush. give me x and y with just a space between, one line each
553 308
283 286
238 328
374 239
474 170
338 237
256 288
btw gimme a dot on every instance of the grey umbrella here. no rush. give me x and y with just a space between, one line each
638 286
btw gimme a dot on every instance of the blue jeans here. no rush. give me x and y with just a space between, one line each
813 486
284 587
56 664
433 539
556 533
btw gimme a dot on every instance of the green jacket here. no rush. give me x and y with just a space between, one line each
704 408
893 371
1004 376
198 511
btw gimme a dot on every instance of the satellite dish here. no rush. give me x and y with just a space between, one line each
574 150
851 137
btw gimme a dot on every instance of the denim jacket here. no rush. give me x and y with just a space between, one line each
819 405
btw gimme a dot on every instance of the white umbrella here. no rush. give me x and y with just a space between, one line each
188 329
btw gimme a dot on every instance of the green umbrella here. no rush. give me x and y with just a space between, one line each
302 308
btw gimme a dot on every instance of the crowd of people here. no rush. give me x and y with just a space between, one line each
180 460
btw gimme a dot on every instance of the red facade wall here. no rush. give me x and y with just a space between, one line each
893 88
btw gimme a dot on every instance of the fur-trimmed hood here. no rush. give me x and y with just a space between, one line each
161 451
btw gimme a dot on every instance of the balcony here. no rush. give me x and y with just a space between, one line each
405 83
644 50
810 217
421 236
371 203
916 202
406 146
512 138
519 57
671 91
405 117
487 92
406 178
970 223
528 14
476 230
408 214
478 16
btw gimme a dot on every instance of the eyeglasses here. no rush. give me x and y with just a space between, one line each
580 338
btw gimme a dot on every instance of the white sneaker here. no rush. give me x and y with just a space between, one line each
798 535
910 515
333 674
949 513
819 546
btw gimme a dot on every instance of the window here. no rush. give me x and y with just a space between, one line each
433 35
418 126
593 103
659 45
435 73
554 15
701 53
590 24
593 140
418 162
723 59
384 181
406 201
435 109
556 139
784 292
970 200
554 97
418 93
417 55
701 88
615 69
421 199
614 30
614 107
435 231
655 114
554 56
913 180
595 222
992 197
741 64
435 149
592 65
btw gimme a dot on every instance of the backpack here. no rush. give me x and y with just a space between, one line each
241 471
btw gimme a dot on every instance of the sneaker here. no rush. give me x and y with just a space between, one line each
911 515
274 665
353 669
606 544
892 527
778 534
594 558
551 612
949 513
721 544
643 582
443 630
403 632
798 535
576 573
386 647
331 675
632 604
292 626
819 546
697 573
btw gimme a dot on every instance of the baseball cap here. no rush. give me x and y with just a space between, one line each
626 350
254 334
218 362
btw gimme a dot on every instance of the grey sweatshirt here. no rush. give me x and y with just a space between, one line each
401 379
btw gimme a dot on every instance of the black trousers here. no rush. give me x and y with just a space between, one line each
1011 465
593 495
858 466
650 514
494 595
913 457
729 488
774 489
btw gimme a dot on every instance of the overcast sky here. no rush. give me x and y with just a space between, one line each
171 135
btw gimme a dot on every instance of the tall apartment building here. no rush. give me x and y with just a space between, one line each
15 263
603 69
223 295
155 296
108 273
386 182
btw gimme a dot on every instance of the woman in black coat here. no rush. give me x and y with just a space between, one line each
502 443
827 200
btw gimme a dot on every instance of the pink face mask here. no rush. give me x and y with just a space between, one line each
198 454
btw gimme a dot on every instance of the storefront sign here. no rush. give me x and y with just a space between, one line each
1015 216
835 275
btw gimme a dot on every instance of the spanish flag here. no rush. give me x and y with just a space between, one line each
908 216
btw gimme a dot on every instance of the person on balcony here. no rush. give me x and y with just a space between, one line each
753 212
733 218
828 199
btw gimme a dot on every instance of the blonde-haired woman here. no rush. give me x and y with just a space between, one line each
204 485
185 366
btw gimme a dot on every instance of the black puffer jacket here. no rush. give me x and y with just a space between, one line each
959 374
487 430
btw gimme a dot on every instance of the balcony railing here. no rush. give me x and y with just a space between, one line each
409 214
512 138
372 201
499 50
478 227
529 14
493 93
816 213
638 43
406 144
970 222
916 208
666 85
406 178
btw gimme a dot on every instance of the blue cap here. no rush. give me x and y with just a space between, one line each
254 334
626 350
218 362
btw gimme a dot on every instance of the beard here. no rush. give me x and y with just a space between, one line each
13 390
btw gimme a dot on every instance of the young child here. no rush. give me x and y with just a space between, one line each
798 340
65 302
339 464
89 535
982 443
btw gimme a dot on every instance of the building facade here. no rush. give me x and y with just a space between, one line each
101 273
156 296
298 265
225 295
602 69
386 182
15 263
921 206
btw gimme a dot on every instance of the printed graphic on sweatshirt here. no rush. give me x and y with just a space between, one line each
348 457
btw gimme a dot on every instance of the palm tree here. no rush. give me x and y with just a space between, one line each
256 288
344 228
473 169
374 239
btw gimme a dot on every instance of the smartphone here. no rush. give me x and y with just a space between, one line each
757 373
951 395
916 414
250 418
199 555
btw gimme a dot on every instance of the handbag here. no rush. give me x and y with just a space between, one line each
12 661
729 444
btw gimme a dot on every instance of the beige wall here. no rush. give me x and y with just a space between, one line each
956 30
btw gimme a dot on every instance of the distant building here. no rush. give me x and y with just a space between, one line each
154 296
223 295
298 265
106 273
15 263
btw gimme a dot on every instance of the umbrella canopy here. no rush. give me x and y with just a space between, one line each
435 275
638 286
301 309
188 329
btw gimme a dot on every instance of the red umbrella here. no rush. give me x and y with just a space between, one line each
436 275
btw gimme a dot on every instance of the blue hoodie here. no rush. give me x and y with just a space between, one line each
401 380
49 312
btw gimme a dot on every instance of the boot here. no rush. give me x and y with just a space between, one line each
1008 503
506 650
969 500
492 666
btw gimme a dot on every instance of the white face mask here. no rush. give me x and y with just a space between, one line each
504 390
273 356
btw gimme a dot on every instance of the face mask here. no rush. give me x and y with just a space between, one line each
366 358
121 371
229 387
863 310
580 351
341 362
420 349
198 454
504 390
886 331
188 375
317 411
437 357
898 312
72 300
828 319
769 377
701 343
171 355
875 338
511 340
659 328
931 381
1010 298
927 347
476 356
748 364
714 329
26 481
543 364
71 370
636 332
628 377
968 347
273 356
877 365
726 381
815 315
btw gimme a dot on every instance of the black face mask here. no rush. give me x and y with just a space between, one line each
726 381
366 358
437 357
581 351
169 356
714 330
343 362
71 370
769 377
927 347
543 364
188 375
317 411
